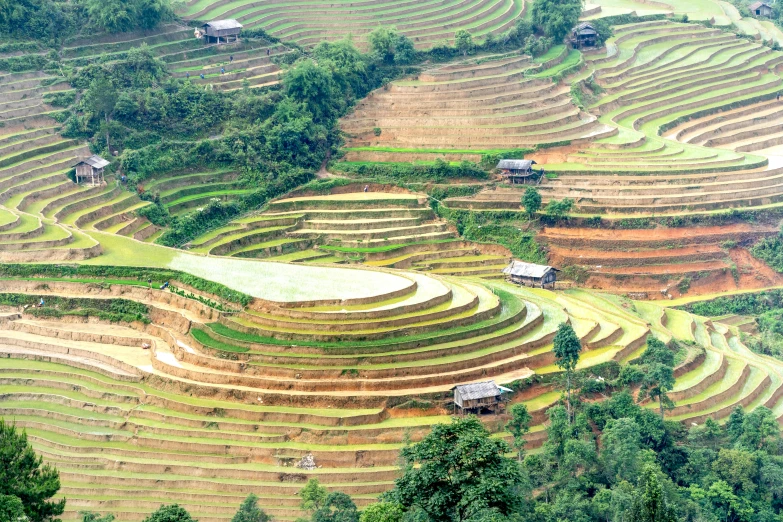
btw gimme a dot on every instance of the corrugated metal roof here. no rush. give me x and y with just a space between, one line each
757 5
221 25
522 269
478 390
515 164
95 161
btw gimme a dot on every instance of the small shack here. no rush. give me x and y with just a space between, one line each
91 170
584 35
517 171
528 274
225 30
761 9
479 396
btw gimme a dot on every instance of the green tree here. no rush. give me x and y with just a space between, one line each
531 200
314 86
24 476
170 513
567 347
250 512
124 15
457 471
518 425
620 450
312 496
382 512
91 516
337 507
556 18
102 99
649 502
559 209
658 378
11 509
464 42
390 47
759 430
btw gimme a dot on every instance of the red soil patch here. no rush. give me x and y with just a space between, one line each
650 234
753 273
674 269
554 155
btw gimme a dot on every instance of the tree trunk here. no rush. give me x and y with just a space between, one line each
660 404
108 147
568 395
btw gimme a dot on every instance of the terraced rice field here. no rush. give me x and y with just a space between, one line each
380 229
495 102
188 57
656 75
663 72
224 404
308 22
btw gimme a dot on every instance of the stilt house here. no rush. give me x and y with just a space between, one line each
528 274
517 171
479 396
584 35
91 170
221 31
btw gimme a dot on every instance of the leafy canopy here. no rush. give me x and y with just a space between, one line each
250 512
458 471
25 479
557 17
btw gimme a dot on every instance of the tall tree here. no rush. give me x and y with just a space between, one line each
531 200
518 425
464 41
620 450
567 347
556 18
250 512
337 507
11 509
650 503
102 100
170 513
382 512
312 496
457 471
24 476
658 378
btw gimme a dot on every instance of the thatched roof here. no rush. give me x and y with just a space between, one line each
585 28
478 390
222 25
515 164
522 269
94 161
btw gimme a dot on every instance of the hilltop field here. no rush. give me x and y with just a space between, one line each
296 252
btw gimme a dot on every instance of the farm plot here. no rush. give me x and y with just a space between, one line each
489 103
393 230
230 400
248 62
308 22
663 73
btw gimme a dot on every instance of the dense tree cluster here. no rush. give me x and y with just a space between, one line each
54 20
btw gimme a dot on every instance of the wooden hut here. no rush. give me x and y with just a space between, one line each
584 35
91 170
761 9
478 397
517 171
528 274
227 30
